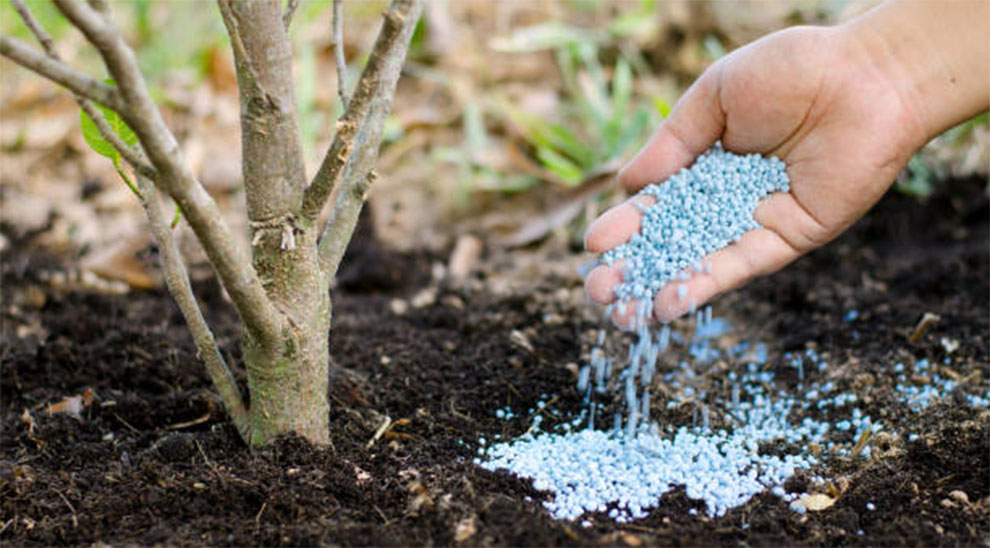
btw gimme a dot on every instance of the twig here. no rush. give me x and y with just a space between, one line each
927 320
177 280
338 51
864 438
75 520
176 275
130 155
374 91
60 73
229 260
194 422
360 127
127 424
290 10
257 517
32 24
379 432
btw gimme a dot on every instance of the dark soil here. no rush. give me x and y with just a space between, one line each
153 460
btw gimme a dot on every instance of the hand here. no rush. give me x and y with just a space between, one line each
815 98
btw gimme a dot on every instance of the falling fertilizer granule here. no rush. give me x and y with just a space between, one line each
624 470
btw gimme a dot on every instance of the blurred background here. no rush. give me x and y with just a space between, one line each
510 121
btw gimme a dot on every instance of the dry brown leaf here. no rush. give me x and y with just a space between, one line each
816 502
119 261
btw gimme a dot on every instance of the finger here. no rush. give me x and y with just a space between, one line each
757 252
616 225
782 213
695 123
600 283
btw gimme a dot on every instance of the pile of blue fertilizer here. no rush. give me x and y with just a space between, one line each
698 211
625 476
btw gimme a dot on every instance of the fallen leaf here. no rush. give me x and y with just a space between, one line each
816 502
120 262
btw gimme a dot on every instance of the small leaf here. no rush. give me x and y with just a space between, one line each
621 87
177 217
91 133
540 37
568 172
662 106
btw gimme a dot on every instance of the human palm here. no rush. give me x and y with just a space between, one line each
810 96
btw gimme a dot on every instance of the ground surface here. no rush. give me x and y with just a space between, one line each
152 461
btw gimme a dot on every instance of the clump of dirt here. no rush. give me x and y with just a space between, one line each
151 458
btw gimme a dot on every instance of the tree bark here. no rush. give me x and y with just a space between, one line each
288 375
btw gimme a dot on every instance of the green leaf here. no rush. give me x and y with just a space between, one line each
568 172
91 133
541 37
93 138
101 146
541 133
621 87
662 106
475 135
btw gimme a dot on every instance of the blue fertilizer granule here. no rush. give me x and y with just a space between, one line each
698 211
625 475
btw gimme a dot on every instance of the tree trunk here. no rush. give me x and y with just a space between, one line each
289 380
288 374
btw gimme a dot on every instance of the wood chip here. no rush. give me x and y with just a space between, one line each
927 320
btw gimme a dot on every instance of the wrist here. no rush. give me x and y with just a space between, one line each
933 54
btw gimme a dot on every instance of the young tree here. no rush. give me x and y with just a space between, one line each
280 287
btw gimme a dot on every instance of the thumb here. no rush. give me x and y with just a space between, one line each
695 124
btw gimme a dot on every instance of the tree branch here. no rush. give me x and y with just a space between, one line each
374 89
228 259
60 73
177 280
338 51
130 155
241 58
290 10
176 275
342 223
